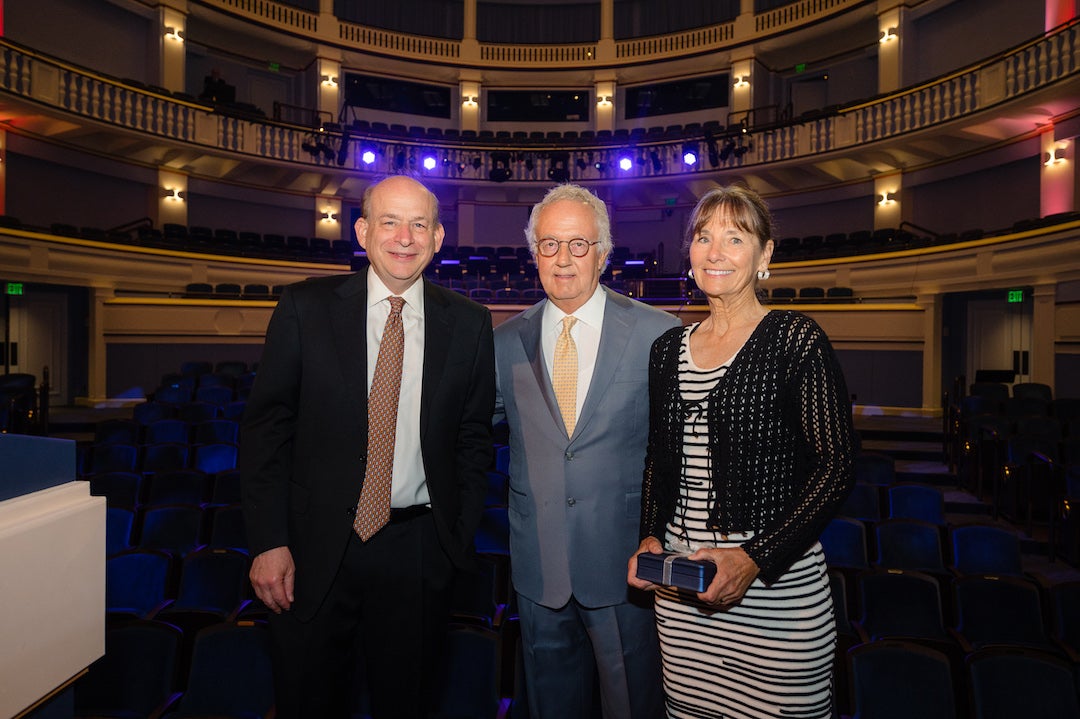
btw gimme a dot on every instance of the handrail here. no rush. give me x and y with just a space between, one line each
354 37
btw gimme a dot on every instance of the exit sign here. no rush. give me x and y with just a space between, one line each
1016 296
13 288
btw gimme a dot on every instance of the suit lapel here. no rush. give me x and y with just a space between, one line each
530 333
438 329
614 336
348 323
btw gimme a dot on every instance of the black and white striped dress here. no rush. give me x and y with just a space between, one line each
769 655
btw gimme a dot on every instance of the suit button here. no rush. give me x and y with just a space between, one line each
363 459
569 456
351 511
570 502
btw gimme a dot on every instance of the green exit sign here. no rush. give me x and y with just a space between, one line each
1016 296
13 288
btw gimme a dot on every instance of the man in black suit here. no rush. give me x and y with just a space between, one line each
304 454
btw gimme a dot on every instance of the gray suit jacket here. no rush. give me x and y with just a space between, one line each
575 501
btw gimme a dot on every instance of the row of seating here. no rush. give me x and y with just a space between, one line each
133 490
957 615
154 668
299 248
195 411
210 458
899 679
521 139
960 549
128 431
1020 448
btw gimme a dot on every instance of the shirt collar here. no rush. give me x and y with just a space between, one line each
591 313
378 292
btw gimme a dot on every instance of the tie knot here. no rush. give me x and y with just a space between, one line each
396 303
568 323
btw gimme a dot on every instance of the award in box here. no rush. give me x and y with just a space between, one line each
675 570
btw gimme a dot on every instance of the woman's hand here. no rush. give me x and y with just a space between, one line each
735 572
651 545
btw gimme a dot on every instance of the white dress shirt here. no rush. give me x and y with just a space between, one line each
586 334
409 483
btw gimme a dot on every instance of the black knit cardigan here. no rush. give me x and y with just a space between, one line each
781 440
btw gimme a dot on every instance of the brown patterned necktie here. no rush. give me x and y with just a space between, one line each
564 374
373 509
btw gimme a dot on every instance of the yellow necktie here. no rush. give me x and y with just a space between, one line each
564 374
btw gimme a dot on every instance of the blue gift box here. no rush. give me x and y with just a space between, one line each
676 570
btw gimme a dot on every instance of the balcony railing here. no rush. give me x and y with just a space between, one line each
33 78
644 50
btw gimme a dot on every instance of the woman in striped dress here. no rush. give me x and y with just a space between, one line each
751 451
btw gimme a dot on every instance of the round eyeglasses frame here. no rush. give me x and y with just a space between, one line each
550 248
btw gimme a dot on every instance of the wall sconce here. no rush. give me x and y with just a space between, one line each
603 101
329 80
887 35
1053 158
329 216
174 34
742 81
887 198
173 195
469 101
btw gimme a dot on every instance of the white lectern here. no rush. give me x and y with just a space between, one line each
52 571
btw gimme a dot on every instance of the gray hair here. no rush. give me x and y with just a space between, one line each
573 193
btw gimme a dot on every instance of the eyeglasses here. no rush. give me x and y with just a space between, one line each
578 248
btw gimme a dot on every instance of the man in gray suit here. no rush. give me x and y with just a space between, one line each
572 383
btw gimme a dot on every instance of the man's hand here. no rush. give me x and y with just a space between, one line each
272 575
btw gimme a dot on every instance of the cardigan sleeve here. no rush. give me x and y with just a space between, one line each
660 481
827 446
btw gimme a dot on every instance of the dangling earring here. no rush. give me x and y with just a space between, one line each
690 273
763 274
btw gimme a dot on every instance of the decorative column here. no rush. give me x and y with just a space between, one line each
328 218
3 172
933 327
1057 174
173 56
172 200
1043 333
329 89
892 30
605 105
742 86
96 376
470 102
887 208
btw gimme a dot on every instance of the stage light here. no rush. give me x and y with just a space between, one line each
726 150
625 163
430 162
368 157
689 156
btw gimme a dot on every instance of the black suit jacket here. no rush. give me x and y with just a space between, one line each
303 441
